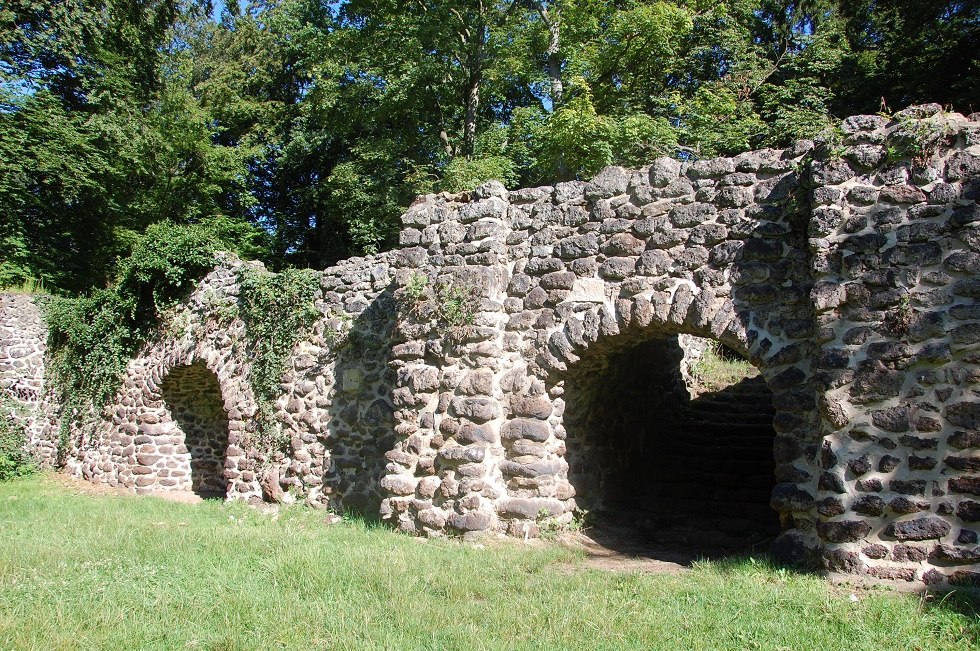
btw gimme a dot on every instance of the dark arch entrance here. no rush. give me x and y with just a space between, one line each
661 459
193 396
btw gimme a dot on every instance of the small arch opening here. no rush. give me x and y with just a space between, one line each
670 448
192 395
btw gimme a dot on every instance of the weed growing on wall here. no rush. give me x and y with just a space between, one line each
92 338
14 460
453 306
918 139
277 310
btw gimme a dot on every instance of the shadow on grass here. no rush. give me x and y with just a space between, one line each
961 600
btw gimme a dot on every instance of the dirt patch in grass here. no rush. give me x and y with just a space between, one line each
83 487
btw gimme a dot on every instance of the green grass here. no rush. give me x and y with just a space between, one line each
27 286
718 369
108 572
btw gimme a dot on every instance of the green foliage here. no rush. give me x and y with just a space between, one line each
467 173
718 120
320 122
101 136
26 286
576 140
14 459
456 305
91 338
640 138
918 140
277 310
550 528
414 290
899 319
490 162
450 305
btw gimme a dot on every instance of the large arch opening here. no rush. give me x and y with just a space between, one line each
670 448
192 395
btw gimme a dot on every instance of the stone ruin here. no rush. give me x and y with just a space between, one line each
521 355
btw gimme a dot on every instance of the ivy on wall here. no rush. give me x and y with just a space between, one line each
277 310
91 338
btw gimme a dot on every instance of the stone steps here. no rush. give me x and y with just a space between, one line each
706 454
748 406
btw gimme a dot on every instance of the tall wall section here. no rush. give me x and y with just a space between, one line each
451 385
22 347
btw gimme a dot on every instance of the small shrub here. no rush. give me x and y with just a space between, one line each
14 459
451 305
550 528
457 304
918 140
414 290
899 320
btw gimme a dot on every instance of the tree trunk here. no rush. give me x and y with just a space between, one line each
552 58
473 91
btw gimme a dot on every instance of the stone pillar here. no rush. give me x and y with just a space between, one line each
896 256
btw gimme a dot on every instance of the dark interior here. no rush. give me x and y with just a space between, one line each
658 468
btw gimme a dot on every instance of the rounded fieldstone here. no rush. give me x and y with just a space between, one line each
830 507
860 465
888 463
965 485
525 428
788 497
903 505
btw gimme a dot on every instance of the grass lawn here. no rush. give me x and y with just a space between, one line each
82 571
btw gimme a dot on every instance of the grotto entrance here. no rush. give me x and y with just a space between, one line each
670 452
192 395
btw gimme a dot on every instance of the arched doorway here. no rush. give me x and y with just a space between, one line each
192 395
670 444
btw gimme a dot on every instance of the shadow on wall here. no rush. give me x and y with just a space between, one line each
192 395
360 431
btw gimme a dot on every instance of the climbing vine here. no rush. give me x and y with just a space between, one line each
277 310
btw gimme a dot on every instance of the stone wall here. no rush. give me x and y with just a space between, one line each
186 407
571 277
22 346
896 253
467 382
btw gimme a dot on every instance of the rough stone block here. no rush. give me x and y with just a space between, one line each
920 529
965 485
525 428
843 531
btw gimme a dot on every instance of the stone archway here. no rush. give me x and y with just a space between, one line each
192 396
